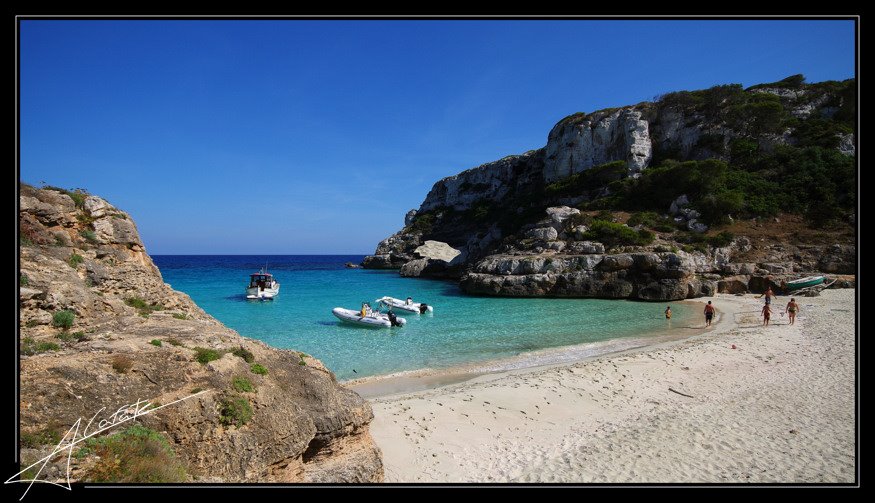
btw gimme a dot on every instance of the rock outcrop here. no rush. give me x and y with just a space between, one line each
582 141
643 276
131 337
496 210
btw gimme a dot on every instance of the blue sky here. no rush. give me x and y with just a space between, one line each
300 137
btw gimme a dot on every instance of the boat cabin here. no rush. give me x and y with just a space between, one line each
260 280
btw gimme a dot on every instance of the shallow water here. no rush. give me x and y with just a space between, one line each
461 330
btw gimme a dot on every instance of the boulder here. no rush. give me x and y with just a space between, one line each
616 262
664 289
436 250
384 261
676 205
414 268
97 207
556 246
578 232
116 231
543 233
559 214
697 226
586 247
733 284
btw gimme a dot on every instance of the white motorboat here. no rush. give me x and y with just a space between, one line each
262 285
404 305
371 319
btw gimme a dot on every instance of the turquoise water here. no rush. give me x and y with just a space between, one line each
462 329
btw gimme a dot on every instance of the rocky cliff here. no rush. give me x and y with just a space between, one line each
100 328
690 160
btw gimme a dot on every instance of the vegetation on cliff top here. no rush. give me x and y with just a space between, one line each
136 454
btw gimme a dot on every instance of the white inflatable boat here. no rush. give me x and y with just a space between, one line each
413 307
373 319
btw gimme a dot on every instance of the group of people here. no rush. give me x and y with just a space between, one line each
791 309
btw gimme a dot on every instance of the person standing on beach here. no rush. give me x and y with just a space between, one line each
709 314
791 309
767 313
668 313
768 294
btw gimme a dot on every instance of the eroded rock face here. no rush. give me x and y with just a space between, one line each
305 427
489 182
579 144
644 276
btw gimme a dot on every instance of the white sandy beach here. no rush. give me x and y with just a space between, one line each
778 408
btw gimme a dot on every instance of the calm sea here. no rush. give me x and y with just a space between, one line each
462 329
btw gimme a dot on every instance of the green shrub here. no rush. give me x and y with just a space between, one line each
235 410
612 234
89 236
135 455
155 342
196 390
259 369
68 337
42 347
142 307
75 259
244 353
721 240
423 222
31 323
242 384
78 195
180 316
24 241
205 355
23 280
174 341
122 364
63 319
587 180
45 436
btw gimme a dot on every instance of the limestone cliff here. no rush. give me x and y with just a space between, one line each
123 335
495 213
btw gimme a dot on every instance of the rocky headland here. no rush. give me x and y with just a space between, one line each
100 328
722 190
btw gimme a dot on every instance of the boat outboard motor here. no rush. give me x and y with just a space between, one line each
393 319
423 307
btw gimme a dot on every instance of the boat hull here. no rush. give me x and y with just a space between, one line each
804 282
263 293
400 304
355 318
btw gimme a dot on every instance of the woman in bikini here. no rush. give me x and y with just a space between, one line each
792 308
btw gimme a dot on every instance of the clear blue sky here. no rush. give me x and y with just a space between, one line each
317 136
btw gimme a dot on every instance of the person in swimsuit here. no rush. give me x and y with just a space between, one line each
668 313
709 314
768 294
767 313
792 308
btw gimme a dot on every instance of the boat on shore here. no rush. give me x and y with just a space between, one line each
810 281
412 307
262 285
371 318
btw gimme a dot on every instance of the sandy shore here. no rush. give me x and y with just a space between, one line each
777 408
